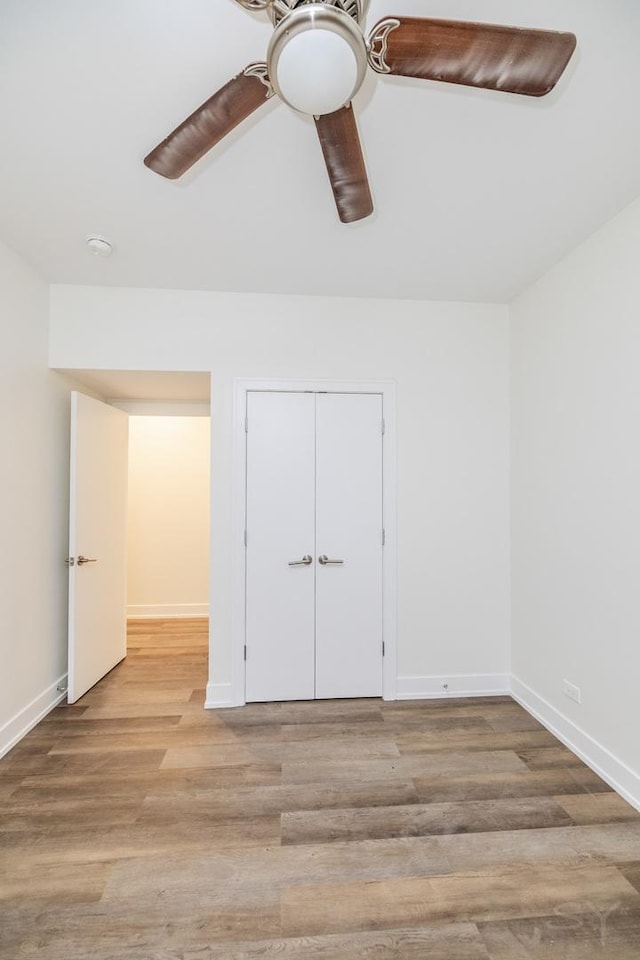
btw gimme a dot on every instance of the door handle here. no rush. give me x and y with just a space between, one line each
82 560
326 562
305 562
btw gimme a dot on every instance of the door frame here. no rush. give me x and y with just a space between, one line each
387 390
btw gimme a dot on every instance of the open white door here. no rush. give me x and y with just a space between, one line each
97 542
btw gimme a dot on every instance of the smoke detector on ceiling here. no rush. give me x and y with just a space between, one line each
99 246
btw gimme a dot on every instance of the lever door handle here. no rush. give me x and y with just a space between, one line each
305 562
81 560
326 562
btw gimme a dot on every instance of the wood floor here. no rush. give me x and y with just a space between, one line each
136 826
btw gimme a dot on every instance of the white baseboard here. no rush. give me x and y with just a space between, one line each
19 725
431 688
166 611
613 771
219 695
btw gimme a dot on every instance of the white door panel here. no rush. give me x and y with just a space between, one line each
97 531
349 528
280 530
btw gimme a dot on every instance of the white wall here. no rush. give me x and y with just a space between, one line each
450 362
576 497
34 482
168 516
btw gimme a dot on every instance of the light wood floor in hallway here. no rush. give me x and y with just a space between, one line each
137 826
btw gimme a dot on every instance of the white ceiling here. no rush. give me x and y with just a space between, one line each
476 193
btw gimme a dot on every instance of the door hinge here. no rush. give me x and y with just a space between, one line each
384 537
246 424
383 426
245 538
245 651
383 648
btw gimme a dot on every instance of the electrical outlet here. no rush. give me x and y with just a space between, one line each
570 690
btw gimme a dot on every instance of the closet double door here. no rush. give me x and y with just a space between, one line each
314 546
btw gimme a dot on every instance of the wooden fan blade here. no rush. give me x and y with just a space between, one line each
207 125
342 151
510 59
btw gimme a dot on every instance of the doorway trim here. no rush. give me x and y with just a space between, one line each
387 390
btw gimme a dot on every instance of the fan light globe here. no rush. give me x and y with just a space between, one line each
317 72
317 59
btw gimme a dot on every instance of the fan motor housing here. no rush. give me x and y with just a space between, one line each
279 9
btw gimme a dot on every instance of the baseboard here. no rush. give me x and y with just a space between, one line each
613 771
19 725
219 695
166 611
431 688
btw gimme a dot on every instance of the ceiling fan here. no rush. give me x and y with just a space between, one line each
317 60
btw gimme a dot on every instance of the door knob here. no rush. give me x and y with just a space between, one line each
305 562
81 560
326 562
